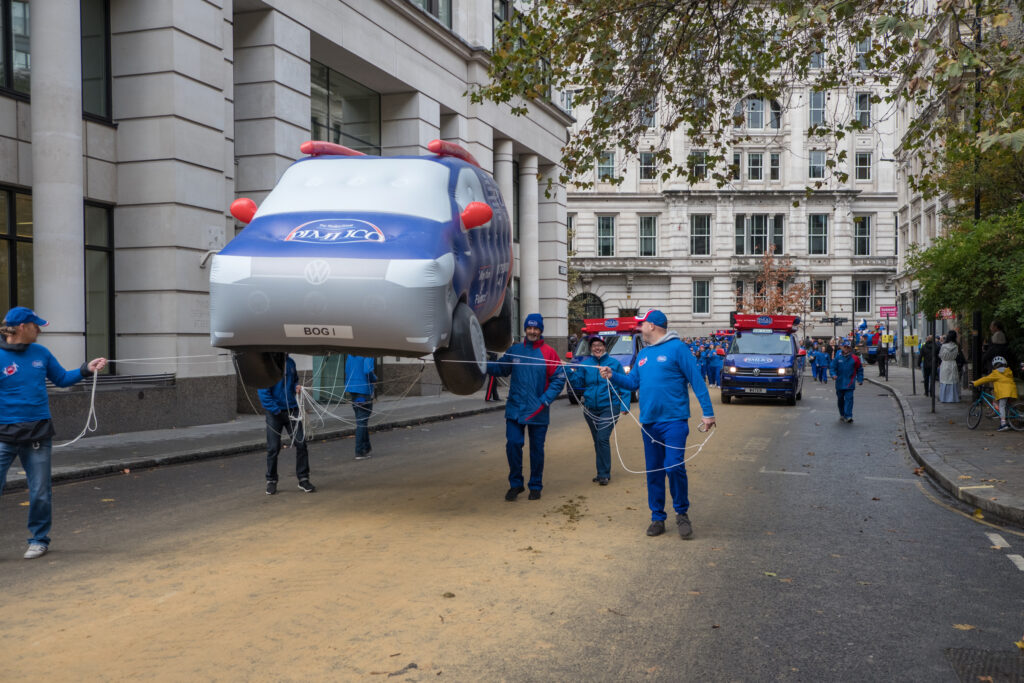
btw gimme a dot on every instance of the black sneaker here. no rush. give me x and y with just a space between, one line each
656 528
849 420
603 481
513 493
306 486
364 456
271 488
534 494
684 526
1004 428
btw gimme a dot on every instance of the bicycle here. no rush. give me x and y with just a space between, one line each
983 406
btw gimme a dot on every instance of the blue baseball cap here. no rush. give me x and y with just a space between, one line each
20 314
847 342
534 320
654 317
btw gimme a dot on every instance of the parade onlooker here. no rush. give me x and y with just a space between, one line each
952 361
928 352
663 373
1004 387
997 346
26 428
602 404
846 368
492 382
536 380
359 381
283 416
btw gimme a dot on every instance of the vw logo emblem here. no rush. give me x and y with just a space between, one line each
317 272
757 371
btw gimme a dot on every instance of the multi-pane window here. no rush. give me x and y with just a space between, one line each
755 166
819 296
700 235
343 111
862 48
606 166
756 231
775 163
862 296
862 167
570 234
817 234
648 115
606 235
699 163
648 166
95 58
439 9
15 39
816 164
502 12
567 99
648 235
736 166
16 287
739 295
817 108
99 281
862 108
817 60
862 235
701 296
757 113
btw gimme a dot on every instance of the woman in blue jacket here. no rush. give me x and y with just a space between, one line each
602 404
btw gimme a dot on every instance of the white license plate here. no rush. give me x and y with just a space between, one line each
319 331
756 391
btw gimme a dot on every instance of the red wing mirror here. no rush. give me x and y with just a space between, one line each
243 209
568 355
802 352
475 215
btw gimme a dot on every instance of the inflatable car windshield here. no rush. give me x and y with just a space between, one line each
397 256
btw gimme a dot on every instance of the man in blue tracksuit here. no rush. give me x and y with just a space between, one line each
845 369
602 404
663 373
282 408
537 379
823 363
715 365
359 380
26 429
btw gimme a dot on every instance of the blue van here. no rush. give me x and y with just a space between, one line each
764 359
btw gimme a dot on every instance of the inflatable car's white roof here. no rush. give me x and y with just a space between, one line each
415 187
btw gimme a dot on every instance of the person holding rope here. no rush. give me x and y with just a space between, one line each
359 380
601 404
26 429
537 380
663 372
282 406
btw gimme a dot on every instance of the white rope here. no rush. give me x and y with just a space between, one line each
91 423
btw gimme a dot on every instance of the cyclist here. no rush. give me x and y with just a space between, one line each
1004 388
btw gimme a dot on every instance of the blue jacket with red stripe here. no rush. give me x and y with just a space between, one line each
537 380
846 370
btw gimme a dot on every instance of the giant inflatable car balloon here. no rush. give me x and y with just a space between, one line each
397 256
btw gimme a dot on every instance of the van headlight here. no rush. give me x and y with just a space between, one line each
732 369
785 371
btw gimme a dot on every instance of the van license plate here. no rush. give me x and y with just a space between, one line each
756 391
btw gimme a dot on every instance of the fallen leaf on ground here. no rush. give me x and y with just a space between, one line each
449 594
977 514
694 592
786 580
964 627
107 500
965 476
770 574
1020 643
876 499
126 470
24 505
919 471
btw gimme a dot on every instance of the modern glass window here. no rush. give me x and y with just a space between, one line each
755 166
99 281
736 166
16 287
817 234
700 235
817 108
862 48
774 167
439 9
606 235
756 231
819 296
570 234
515 201
816 164
862 108
862 168
606 166
648 235
862 235
699 163
862 296
502 12
15 39
96 59
739 295
648 166
343 111
701 296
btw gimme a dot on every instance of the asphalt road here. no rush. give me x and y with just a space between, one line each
819 555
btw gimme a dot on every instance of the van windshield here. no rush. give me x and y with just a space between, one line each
616 345
772 344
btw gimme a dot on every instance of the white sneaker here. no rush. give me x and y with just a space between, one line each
35 550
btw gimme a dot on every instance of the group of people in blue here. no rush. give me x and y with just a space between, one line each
709 353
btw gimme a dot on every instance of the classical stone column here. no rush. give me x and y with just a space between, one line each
409 121
58 254
503 175
529 236
553 270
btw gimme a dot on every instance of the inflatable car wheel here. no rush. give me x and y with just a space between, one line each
498 330
258 369
463 365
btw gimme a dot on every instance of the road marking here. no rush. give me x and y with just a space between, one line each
1017 560
897 479
978 486
798 474
998 541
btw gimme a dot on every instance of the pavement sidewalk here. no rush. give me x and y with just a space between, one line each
980 467
100 455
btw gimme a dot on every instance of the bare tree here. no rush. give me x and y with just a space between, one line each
776 290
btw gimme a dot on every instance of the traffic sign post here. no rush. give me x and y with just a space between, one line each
911 341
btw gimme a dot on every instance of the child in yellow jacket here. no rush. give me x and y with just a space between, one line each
1004 387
